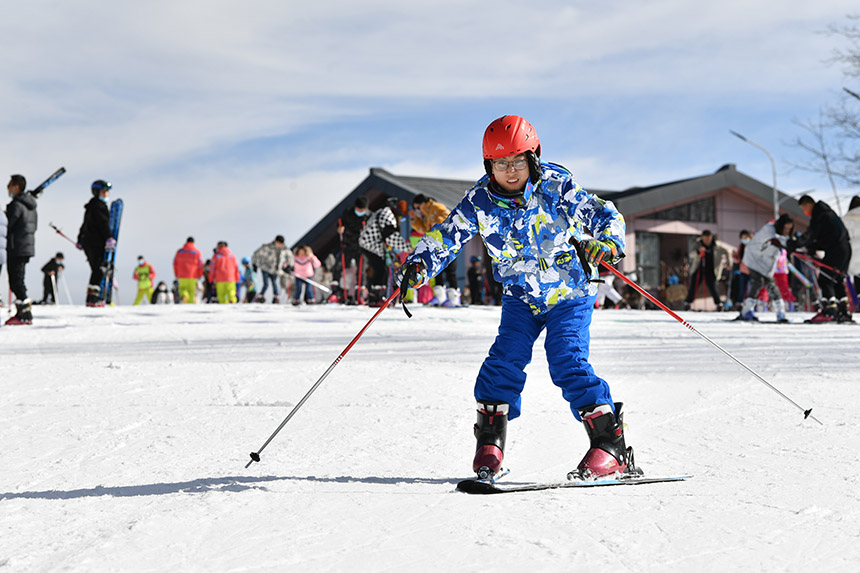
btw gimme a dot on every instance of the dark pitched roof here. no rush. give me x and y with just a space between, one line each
635 201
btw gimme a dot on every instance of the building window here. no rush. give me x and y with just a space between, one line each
701 211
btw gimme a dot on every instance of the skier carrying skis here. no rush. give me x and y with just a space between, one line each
94 238
760 257
20 244
546 236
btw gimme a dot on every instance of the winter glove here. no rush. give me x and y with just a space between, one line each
597 251
411 275
110 244
79 246
288 269
255 268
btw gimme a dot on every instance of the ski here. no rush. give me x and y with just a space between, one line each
110 256
482 487
37 192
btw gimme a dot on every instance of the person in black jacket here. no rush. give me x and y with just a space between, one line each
20 244
95 237
827 233
51 270
350 225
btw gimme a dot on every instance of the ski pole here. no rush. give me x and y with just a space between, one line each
646 294
312 283
255 456
63 235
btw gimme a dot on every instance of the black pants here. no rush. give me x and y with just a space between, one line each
48 294
95 258
377 275
17 269
706 276
832 284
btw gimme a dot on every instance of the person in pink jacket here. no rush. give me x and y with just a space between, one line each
188 268
224 273
305 264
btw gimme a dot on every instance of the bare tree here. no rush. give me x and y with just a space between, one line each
833 141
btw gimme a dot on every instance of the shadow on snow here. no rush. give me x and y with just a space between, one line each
230 484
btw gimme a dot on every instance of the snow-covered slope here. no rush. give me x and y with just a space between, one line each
125 432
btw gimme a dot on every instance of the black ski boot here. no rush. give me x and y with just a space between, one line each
608 454
490 431
843 312
24 314
93 298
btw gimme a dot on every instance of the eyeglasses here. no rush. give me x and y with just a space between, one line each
518 164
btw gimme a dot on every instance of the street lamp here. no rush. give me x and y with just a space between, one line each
773 166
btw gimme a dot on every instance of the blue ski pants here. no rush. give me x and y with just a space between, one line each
502 376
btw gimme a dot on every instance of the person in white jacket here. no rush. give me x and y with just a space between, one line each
760 257
851 220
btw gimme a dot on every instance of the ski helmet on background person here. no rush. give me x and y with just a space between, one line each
246 261
98 185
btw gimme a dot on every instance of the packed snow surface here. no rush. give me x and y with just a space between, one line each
125 433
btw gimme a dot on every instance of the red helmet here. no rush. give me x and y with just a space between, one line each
510 135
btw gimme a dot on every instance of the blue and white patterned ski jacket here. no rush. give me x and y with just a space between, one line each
530 247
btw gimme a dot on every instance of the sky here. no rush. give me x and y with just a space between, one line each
240 121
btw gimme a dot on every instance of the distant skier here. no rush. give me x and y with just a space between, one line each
22 222
381 232
144 274
249 280
51 271
270 259
350 224
188 268
531 216
760 257
827 233
224 273
95 237
305 265
707 260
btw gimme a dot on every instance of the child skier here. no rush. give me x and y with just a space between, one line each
249 280
535 223
144 275
305 265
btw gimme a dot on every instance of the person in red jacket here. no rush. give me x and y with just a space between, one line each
188 268
224 273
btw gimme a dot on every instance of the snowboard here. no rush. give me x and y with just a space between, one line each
483 487
109 259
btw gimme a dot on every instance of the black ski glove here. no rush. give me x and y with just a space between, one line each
412 275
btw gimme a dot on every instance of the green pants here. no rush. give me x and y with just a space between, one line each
143 292
226 292
188 291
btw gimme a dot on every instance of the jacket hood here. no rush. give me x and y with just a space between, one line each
27 199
